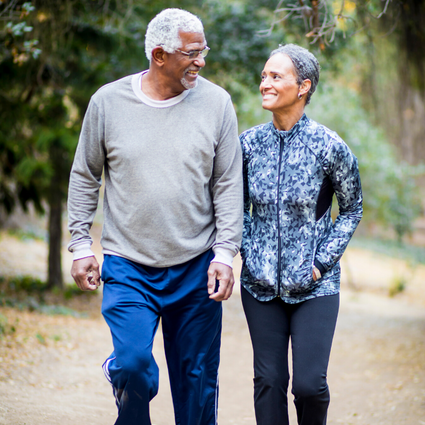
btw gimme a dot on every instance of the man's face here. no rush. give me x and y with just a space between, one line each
182 70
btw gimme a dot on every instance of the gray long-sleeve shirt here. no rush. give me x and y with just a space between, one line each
172 170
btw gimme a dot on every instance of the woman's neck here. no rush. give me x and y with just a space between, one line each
284 121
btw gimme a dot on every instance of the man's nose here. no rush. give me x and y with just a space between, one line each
199 61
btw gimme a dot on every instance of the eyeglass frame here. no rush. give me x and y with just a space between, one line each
203 53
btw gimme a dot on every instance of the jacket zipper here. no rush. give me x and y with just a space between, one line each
279 243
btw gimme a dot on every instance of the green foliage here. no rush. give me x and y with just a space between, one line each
411 253
402 23
72 291
397 286
250 112
238 52
44 91
14 34
28 284
391 196
43 95
27 234
54 54
324 27
5 327
30 293
40 338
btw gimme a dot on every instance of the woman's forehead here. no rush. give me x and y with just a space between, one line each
280 63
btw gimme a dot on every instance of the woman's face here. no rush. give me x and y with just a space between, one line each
279 86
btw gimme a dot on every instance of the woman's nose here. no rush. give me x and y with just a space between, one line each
265 83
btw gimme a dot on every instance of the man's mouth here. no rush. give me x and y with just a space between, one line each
192 73
190 78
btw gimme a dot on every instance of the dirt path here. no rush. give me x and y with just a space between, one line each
376 373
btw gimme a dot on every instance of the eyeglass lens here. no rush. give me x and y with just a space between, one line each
196 53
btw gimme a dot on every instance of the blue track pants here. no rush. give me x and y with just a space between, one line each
135 297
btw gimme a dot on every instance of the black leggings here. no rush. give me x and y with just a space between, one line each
310 325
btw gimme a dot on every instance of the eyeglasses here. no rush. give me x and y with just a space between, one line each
195 53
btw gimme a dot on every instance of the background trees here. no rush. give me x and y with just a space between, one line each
387 38
55 53
372 92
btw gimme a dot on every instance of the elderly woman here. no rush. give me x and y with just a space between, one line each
291 247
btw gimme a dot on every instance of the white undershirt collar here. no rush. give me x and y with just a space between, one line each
136 83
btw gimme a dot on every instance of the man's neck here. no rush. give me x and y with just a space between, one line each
156 89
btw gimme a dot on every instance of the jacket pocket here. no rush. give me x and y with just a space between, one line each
297 277
261 269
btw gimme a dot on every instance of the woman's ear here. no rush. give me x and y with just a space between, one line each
305 87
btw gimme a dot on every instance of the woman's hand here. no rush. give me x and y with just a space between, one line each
316 273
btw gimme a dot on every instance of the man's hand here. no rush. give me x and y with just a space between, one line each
224 274
86 273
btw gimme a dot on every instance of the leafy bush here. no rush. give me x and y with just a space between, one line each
391 195
30 293
250 112
28 284
412 254
5 327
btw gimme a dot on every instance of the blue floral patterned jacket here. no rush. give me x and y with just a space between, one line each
289 181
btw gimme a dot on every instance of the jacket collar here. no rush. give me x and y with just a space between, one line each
290 134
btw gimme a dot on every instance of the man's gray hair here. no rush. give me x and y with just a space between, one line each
163 30
305 63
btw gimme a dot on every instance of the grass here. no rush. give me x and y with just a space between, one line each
31 294
397 286
413 256
410 253
27 234
5 327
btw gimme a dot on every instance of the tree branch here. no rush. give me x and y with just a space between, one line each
320 22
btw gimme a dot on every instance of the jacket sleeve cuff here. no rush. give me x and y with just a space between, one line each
224 256
82 251
319 265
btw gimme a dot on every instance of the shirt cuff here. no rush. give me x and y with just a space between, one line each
223 256
82 251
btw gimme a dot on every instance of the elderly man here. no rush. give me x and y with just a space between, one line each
166 140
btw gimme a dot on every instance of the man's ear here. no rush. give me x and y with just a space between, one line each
158 56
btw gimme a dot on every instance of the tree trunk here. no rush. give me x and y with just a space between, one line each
55 198
55 278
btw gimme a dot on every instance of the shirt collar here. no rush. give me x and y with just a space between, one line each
136 83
